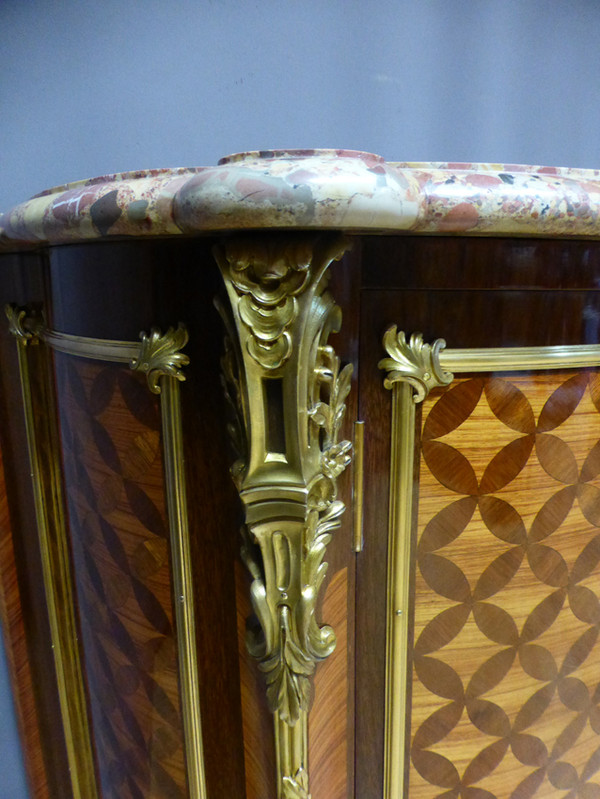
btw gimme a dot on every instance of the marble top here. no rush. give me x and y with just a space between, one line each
307 189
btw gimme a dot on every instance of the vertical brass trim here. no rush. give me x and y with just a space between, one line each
398 581
413 368
54 552
182 584
159 358
358 491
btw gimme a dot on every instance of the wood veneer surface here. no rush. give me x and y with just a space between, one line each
507 606
11 615
463 263
472 293
339 592
328 719
259 739
113 476
505 302
113 290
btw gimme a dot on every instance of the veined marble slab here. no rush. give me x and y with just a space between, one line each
307 189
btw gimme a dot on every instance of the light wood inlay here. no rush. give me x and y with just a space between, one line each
506 686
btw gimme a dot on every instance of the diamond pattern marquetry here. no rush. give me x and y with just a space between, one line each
120 540
506 658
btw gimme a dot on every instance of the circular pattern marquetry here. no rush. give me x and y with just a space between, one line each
506 686
110 429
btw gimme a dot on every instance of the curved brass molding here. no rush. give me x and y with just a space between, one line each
413 369
287 391
98 349
521 359
157 354
44 458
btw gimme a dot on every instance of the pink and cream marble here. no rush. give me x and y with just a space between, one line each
304 189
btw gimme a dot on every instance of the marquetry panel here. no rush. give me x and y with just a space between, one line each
506 657
120 540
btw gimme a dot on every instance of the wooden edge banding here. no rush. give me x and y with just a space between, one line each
259 743
181 564
11 615
328 728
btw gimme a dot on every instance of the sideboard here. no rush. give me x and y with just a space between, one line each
300 480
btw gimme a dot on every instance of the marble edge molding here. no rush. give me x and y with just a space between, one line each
305 189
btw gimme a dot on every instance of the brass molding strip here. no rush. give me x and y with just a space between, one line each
517 359
159 357
358 490
413 369
398 581
54 552
96 348
170 407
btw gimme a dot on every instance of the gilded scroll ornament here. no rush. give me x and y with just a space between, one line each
160 355
287 391
23 323
413 362
289 652
268 277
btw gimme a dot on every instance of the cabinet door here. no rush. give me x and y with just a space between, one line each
478 585
133 658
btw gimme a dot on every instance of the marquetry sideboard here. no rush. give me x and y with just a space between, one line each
300 481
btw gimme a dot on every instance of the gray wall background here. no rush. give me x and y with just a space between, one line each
88 88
